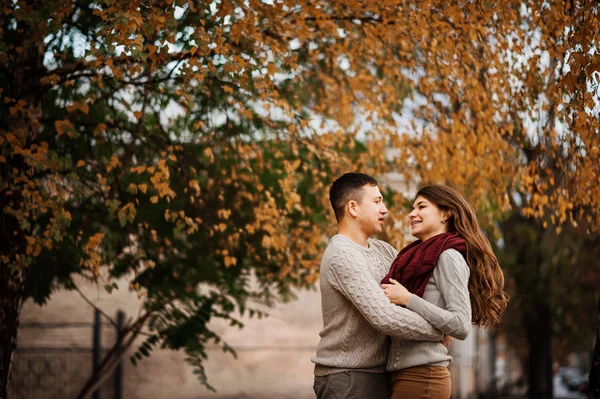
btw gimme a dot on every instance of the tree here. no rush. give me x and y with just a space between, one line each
509 116
554 286
594 377
172 144
188 145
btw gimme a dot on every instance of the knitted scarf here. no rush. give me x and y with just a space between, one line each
415 263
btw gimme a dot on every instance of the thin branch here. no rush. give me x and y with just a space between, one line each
114 323
112 358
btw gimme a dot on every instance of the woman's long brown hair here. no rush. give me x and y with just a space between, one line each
486 282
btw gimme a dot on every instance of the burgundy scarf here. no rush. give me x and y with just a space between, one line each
415 263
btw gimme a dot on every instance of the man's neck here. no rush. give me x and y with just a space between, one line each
354 235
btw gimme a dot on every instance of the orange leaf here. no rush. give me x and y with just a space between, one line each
79 107
19 107
63 126
99 129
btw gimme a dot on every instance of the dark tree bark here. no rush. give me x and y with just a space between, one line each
22 72
538 327
10 308
594 387
524 240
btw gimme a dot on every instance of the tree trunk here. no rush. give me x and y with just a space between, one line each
538 327
492 387
10 308
22 71
594 386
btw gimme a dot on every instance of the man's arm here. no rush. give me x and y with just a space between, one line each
349 271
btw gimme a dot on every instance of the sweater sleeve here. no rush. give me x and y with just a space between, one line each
451 275
354 281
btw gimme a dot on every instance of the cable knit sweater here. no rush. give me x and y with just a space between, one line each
357 316
446 305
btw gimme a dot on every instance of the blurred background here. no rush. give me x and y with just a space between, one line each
164 168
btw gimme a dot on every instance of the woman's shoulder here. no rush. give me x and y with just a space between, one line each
452 254
453 259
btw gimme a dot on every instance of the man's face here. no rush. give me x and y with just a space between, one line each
371 211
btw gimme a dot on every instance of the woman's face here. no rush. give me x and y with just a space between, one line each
426 219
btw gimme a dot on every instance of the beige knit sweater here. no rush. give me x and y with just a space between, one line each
446 305
357 316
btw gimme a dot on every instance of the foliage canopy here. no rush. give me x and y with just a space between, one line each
187 146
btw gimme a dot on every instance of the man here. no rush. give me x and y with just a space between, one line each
357 316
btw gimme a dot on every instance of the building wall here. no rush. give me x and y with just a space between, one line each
273 353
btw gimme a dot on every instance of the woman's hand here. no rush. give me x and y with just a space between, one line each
396 292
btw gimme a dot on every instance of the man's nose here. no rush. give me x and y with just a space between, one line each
412 214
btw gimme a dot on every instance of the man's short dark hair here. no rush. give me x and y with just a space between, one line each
346 188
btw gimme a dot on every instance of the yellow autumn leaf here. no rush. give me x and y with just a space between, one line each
114 161
63 126
154 199
224 213
230 261
266 242
80 163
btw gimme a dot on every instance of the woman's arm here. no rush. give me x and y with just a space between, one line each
451 275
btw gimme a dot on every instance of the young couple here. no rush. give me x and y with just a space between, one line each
445 281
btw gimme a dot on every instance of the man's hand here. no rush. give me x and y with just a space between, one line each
447 340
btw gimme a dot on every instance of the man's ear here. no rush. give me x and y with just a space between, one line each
353 208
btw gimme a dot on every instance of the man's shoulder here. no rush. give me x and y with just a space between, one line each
383 247
341 245
342 253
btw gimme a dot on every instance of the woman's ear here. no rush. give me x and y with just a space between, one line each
447 215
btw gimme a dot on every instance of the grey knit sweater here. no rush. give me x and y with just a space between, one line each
357 316
446 305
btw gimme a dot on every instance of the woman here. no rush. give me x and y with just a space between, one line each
450 277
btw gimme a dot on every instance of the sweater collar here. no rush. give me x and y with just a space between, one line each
345 239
